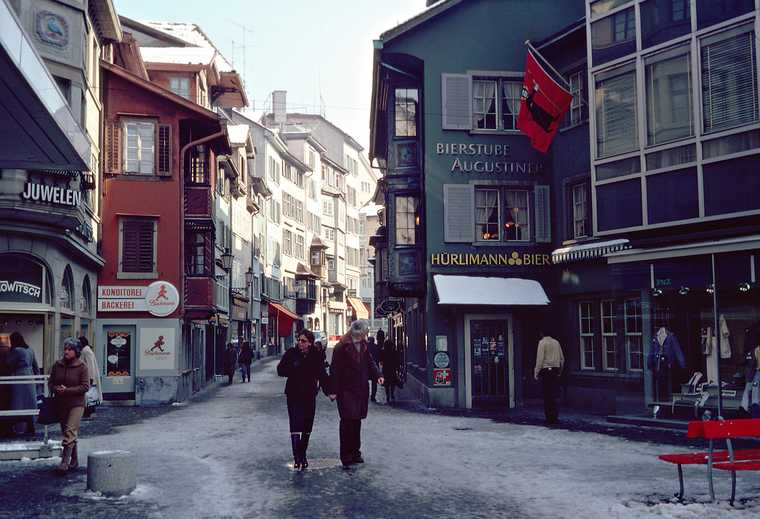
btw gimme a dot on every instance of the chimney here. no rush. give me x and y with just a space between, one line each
279 107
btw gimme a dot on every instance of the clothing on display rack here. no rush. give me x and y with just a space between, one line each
665 352
710 339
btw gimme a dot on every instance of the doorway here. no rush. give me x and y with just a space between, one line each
489 361
119 361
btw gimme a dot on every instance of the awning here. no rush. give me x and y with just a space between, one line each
285 319
359 308
741 243
477 290
584 251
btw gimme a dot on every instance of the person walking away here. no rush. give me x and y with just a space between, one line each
549 364
6 423
244 359
352 366
230 362
93 370
69 381
304 367
389 366
374 351
20 362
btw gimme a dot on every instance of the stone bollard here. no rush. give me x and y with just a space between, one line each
112 473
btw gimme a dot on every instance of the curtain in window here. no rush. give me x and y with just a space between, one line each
669 100
487 214
484 104
616 128
729 83
518 221
510 104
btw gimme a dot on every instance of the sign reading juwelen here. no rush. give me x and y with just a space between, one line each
157 348
20 281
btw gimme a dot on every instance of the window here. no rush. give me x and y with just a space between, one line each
300 249
580 211
67 289
139 144
614 36
198 164
288 172
710 12
138 246
352 166
196 262
406 214
490 113
311 159
287 242
517 222
64 85
180 86
484 104
406 112
365 187
663 20
633 336
616 122
328 233
487 214
578 111
669 99
729 81
609 337
586 327
274 169
625 25
327 207
510 104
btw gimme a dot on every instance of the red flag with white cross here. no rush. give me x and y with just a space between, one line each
543 104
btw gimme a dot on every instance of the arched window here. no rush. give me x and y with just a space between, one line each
85 298
67 289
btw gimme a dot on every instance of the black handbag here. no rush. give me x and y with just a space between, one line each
48 412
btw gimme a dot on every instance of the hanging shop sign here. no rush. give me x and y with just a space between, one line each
486 158
157 348
20 281
160 298
442 377
441 360
513 259
56 195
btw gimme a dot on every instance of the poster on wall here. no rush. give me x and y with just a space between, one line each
119 354
442 377
157 348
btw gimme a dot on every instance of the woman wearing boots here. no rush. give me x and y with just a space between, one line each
389 360
69 381
304 366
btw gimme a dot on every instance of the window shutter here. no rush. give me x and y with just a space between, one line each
456 101
208 252
129 247
112 148
137 246
164 155
543 215
459 213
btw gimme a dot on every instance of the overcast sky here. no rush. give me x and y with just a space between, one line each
302 46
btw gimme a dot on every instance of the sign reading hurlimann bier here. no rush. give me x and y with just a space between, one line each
513 259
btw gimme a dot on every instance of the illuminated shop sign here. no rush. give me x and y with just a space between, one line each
513 259
486 158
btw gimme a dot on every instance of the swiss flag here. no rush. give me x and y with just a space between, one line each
543 103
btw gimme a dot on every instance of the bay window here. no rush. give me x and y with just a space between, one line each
406 217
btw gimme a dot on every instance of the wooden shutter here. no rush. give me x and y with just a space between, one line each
456 101
459 213
543 215
137 254
164 152
112 148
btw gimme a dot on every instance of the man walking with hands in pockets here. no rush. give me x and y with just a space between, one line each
549 363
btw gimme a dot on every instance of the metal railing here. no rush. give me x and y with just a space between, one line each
26 379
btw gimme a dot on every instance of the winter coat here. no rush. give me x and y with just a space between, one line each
349 372
246 356
306 374
666 355
5 389
88 357
389 358
21 361
230 360
75 377
374 350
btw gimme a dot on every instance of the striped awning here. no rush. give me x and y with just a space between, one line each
584 251
359 308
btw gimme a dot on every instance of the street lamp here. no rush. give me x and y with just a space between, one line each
227 258
249 277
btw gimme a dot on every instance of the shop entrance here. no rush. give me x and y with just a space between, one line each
119 361
489 361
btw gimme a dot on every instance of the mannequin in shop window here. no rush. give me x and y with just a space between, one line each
664 354
751 397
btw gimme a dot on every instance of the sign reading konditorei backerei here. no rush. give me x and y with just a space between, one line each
157 348
20 281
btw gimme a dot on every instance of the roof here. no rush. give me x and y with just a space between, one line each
429 13
238 133
493 291
370 209
562 33
269 118
178 55
193 35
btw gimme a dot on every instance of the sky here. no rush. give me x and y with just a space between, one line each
310 49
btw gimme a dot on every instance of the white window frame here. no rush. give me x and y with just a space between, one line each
633 335
499 209
141 149
582 206
586 337
609 335
499 81
176 84
528 211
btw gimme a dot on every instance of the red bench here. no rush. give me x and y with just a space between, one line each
729 459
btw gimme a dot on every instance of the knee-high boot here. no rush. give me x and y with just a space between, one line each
295 441
63 468
74 463
304 446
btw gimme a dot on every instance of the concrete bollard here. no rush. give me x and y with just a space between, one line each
112 473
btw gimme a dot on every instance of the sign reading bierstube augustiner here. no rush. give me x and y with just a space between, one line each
486 158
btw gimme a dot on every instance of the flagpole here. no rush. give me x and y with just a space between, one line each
546 62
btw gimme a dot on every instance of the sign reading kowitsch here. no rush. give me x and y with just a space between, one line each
51 194
514 259
486 158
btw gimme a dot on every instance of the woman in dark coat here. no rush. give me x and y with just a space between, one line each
352 366
5 389
21 361
304 366
389 360
244 359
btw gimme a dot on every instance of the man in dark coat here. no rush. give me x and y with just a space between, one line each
374 352
351 367
230 362
245 359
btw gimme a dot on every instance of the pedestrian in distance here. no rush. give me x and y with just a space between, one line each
389 366
94 393
69 381
374 351
380 337
244 359
21 361
230 362
304 367
351 367
549 364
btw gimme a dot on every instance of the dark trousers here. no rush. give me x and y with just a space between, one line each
350 439
550 383
301 414
245 371
389 392
373 393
